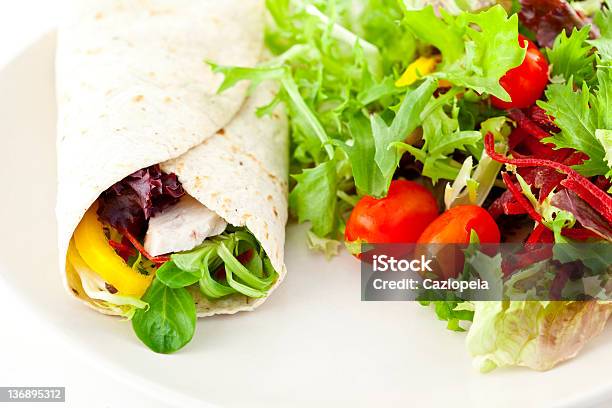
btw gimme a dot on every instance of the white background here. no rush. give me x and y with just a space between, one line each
31 354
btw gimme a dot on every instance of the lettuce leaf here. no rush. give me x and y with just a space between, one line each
477 48
547 18
571 56
579 114
538 335
368 176
442 137
569 201
456 313
379 25
129 203
329 247
314 197
406 120
605 138
603 20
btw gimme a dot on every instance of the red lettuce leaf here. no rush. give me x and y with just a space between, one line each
542 119
506 204
547 18
128 204
527 124
589 218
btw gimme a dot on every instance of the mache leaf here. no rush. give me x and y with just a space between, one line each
169 322
174 277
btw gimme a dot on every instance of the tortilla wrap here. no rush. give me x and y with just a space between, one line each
134 90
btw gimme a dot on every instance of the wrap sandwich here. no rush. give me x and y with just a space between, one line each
172 199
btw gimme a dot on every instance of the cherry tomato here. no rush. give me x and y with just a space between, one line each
527 82
454 227
401 216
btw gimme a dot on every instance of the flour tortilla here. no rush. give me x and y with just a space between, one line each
241 174
134 91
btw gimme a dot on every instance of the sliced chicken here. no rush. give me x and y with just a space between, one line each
182 227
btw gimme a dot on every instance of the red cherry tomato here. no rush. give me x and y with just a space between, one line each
399 217
527 82
455 225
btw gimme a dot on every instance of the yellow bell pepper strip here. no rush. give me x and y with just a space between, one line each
418 69
93 246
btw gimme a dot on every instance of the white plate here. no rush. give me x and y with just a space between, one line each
313 341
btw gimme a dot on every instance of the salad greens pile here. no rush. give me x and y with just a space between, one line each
378 89
338 67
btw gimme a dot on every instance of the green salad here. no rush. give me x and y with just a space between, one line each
417 123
